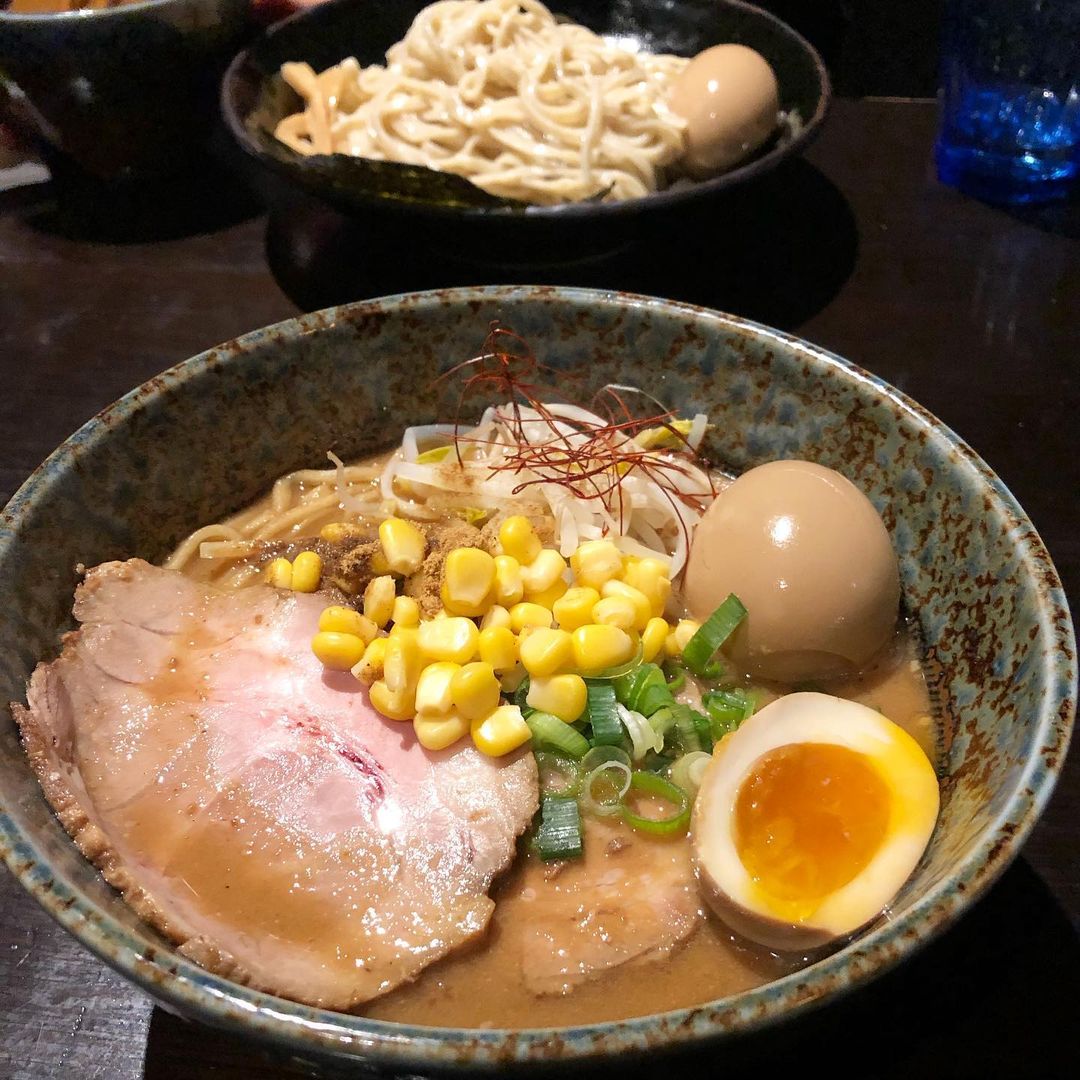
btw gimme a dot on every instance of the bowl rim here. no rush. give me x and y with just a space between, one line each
215 1000
73 15
592 211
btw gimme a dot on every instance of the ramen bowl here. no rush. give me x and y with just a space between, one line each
455 213
210 435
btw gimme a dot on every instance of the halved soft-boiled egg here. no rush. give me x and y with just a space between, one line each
809 819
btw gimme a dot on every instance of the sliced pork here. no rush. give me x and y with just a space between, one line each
254 807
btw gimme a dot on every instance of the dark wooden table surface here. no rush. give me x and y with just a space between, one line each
973 311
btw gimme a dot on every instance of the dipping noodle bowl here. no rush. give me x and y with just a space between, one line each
535 719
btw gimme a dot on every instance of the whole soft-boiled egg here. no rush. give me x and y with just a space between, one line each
809 819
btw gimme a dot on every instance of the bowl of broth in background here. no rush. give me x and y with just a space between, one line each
120 89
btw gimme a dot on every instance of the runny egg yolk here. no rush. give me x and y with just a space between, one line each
809 817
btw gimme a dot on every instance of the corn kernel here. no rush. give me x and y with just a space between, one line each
468 581
564 696
454 639
547 568
496 615
498 647
502 730
548 597
614 611
370 667
686 629
595 562
671 646
379 600
394 706
545 651
650 576
509 589
433 688
653 638
279 574
519 539
598 647
403 545
405 612
475 690
346 620
335 532
574 607
306 571
337 651
377 562
642 606
526 614
438 732
403 664
510 680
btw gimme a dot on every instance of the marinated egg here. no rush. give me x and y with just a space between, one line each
730 99
809 819
806 552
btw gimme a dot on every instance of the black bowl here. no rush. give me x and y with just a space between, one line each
254 99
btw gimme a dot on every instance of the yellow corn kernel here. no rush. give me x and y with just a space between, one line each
650 576
653 638
377 562
468 581
498 647
403 545
509 589
475 690
337 651
595 562
496 615
519 539
394 706
564 696
686 629
437 732
346 620
642 605
548 597
335 532
279 574
454 639
545 651
526 614
379 600
433 688
502 730
574 607
370 667
598 647
306 571
510 680
406 611
403 664
614 611
671 646
547 568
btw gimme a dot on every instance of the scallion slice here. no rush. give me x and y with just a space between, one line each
607 729
688 771
676 676
551 733
613 772
559 835
649 783
599 754
716 629
643 736
727 709
559 774
619 670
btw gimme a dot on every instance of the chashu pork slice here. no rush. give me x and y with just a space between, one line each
254 807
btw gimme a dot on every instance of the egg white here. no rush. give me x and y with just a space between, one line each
913 808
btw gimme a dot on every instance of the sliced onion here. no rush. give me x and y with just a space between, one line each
605 809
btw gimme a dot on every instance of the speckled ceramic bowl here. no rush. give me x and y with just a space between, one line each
209 436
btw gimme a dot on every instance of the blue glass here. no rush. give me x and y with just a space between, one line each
1010 110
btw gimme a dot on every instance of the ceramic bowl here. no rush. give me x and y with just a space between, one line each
253 101
209 436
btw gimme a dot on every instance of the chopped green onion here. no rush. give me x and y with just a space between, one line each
607 730
559 774
619 670
692 730
599 754
654 696
657 763
559 835
650 783
716 629
618 778
551 733
676 676
644 690
704 730
727 709
521 694
643 736
688 771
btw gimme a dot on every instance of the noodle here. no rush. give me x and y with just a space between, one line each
499 92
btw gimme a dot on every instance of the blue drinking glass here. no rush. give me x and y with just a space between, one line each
1010 110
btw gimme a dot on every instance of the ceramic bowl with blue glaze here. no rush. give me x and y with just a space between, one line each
210 435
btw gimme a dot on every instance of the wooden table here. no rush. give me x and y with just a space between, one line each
971 310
